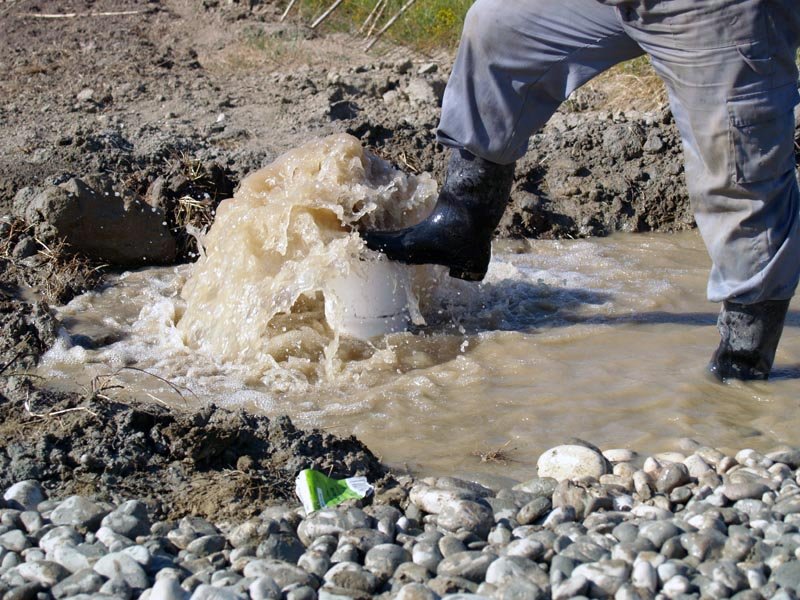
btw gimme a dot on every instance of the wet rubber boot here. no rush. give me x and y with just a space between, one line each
750 335
458 233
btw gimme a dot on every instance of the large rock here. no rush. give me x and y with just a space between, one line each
25 495
464 515
787 575
383 559
59 536
14 541
82 582
129 519
434 500
79 512
96 220
573 462
281 546
670 476
121 565
331 522
209 592
415 591
283 573
508 569
351 576
471 565
533 510
605 576
45 572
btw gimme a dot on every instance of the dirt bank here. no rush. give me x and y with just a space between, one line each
172 105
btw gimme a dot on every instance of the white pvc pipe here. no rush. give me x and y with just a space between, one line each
371 300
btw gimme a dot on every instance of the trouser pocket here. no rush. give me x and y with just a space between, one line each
762 133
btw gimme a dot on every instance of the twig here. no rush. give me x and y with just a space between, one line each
496 455
55 413
116 13
157 399
326 14
106 397
391 22
372 13
288 8
377 18
169 383
18 355
404 159
6 10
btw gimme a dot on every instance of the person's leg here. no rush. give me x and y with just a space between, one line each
516 63
732 81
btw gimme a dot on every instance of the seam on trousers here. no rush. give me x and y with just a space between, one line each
547 72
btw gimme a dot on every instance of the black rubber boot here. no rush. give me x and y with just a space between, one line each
750 335
458 233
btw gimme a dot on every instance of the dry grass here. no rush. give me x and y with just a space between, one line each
102 385
194 205
196 212
58 275
437 24
189 209
259 50
67 273
279 49
173 386
500 455
426 26
51 414
15 229
632 84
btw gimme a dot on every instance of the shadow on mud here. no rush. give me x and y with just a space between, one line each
512 305
526 306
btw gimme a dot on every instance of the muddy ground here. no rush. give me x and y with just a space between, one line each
117 131
217 463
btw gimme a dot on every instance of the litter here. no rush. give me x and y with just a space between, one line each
317 491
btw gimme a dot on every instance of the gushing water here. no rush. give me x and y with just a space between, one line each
267 291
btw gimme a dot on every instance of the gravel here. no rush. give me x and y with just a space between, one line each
697 525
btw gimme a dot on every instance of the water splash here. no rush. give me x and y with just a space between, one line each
264 293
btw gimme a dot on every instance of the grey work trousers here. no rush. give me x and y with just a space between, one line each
729 69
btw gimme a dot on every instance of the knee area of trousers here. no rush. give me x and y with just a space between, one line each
488 22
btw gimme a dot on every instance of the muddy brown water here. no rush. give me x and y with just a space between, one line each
602 339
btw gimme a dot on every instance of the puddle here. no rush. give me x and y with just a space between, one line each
604 339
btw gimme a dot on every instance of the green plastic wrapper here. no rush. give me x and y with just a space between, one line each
317 491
